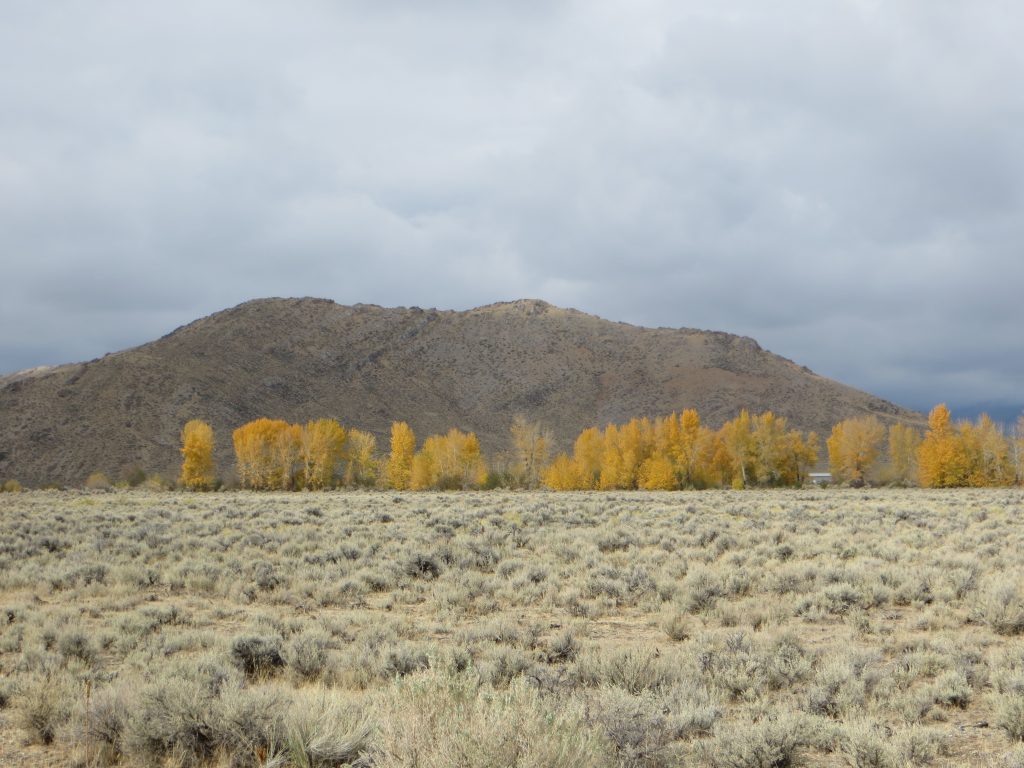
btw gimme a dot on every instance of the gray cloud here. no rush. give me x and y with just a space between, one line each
841 181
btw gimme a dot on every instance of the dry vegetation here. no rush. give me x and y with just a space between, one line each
731 629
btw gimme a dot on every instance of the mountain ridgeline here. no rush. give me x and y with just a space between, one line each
364 365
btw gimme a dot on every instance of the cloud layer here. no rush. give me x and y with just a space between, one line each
841 181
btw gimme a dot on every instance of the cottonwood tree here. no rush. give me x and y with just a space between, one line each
1017 450
361 467
266 453
403 448
738 440
854 447
941 462
449 462
532 444
197 470
987 452
321 450
904 442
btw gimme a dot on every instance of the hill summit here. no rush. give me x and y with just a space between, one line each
365 365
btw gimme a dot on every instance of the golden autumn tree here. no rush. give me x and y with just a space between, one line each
854 447
197 472
713 466
666 438
587 452
403 448
941 462
904 442
565 474
771 444
612 465
657 473
361 465
636 440
531 444
266 453
287 452
449 462
423 475
1017 450
987 454
688 449
321 450
738 441
582 470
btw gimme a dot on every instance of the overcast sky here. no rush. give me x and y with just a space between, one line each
840 179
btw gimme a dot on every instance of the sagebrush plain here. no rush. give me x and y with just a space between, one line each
720 628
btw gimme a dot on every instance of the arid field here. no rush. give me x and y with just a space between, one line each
726 629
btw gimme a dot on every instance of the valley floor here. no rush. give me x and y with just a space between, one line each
726 628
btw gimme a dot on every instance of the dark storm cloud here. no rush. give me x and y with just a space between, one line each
841 181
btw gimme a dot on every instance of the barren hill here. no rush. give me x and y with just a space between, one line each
298 359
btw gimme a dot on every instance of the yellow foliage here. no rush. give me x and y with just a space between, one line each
197 473
903 444
266 453
987 453
565 474
422 475
532 444
448 462
854 447
738 442
403 448
658 474
587 453
322 447
941 460
360 454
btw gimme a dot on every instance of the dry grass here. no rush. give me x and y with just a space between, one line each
810 627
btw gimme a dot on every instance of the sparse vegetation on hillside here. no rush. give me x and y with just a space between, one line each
297 359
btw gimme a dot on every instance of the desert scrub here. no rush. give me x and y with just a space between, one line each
323 730
634 670
43 704
102 723
1010 716
308 654
873 745
257 656
1001 605
173 718
439 719
778 741
836 604
652 729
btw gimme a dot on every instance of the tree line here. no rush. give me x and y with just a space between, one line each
672 452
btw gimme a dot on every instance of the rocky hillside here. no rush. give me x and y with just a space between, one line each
298 359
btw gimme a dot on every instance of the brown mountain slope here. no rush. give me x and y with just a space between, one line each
299 359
